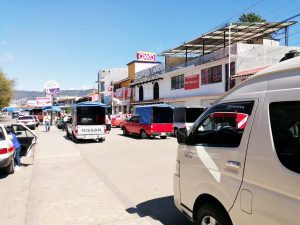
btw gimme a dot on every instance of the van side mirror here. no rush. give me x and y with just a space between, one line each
181 135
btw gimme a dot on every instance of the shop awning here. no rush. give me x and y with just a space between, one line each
219 38
248 72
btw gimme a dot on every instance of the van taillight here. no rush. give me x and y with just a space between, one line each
76 130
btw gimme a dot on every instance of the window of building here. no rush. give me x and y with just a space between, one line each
177 82
232 72
211 75
141 93
156 91
224 125
285 124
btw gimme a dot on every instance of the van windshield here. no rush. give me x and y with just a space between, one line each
192 114
162 115
90 115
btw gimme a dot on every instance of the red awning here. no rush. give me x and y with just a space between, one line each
248 72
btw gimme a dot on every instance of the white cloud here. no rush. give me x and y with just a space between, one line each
6 57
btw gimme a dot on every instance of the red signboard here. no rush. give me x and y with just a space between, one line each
192 82
146 56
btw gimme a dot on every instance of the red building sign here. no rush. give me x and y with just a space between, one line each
192 82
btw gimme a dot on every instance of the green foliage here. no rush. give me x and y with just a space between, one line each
251 18
6 90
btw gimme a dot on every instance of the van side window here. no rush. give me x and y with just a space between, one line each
223 126
285 124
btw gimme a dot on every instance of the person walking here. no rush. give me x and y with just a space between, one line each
46 120
108 123
65 120
17 147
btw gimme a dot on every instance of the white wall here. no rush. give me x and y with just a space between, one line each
139 66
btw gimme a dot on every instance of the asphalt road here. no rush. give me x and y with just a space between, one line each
124 180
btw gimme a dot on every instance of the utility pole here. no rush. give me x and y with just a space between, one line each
229 53
98 81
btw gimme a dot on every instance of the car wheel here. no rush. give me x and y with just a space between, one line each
143 134
210 214
124 131
10 169
33 128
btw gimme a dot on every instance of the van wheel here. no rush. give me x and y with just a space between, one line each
74 139
67 133
10 169
175 131
210 214
143 134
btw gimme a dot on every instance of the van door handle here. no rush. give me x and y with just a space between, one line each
233 164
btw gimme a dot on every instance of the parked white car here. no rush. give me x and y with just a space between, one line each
240 162
6 151
26 138
29 121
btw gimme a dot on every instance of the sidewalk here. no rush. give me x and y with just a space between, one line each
66 191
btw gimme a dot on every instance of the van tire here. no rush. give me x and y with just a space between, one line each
74 139
214 211
143 134
10 169
175 131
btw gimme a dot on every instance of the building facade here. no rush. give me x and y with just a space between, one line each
200 80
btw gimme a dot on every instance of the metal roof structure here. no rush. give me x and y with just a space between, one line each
227 35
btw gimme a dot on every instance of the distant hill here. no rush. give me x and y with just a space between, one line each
31 95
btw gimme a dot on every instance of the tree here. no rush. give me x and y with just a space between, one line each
251 18
6 90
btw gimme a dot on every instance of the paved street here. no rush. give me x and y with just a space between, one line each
124 180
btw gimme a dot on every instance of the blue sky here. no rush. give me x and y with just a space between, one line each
70 40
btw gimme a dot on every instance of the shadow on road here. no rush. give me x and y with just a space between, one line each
3 175
136 137
161 209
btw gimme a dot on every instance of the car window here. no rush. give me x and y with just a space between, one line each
285 125
21 131
222 128
26 118
2 136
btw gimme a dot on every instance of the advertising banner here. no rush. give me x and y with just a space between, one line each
43 101
51 87
119 93
192 82
146 56
31 103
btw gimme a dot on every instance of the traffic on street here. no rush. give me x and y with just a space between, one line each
149 113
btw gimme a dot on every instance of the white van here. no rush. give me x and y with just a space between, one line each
87 122
184 117
240 162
